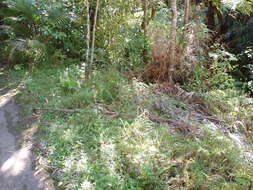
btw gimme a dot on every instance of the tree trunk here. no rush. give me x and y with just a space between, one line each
186 16
145 16
173 41
186 31
153 14
210 16
87 65
2 7
144 27
94 34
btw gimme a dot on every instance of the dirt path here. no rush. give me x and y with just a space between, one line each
16 171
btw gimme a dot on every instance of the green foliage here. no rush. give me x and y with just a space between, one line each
131 49
242 47
107 84
69 80
221 67
80 99
245 7
27 51
229 104
36 23
214 76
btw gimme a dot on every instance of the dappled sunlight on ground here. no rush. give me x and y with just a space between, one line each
16 159
17 163
109 156
4 99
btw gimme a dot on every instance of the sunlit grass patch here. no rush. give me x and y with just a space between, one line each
110 142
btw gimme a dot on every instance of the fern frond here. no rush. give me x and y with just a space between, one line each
58 15
26 7
245 7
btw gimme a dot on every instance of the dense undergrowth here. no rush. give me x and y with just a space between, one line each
125 134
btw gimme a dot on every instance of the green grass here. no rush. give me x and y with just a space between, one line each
91 149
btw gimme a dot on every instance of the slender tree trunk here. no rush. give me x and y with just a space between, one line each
145 16
144 27
87 65
222 29
186 31
94 34
210 16
153 14
186 16
1 9
173 43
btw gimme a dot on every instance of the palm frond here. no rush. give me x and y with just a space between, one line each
245 7
57 14
24 8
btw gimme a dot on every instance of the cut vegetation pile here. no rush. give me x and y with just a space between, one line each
113 133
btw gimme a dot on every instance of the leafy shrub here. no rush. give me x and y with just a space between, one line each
130 47
106 84
244 71
215 76
103 86
41 32
69 80
134 45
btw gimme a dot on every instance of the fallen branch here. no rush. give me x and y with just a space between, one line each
113 115
110 114
55 109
